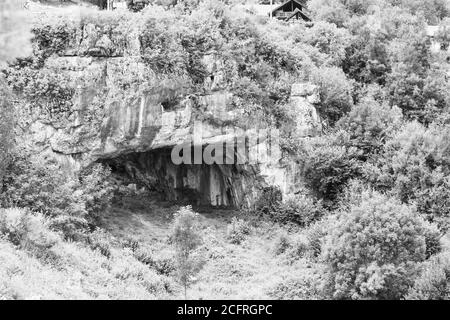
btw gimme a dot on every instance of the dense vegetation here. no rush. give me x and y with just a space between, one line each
374 215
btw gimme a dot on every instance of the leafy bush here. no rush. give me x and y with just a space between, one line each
53 38
137 6
300 248
268 201
101 241
415 168
301 209
96 188
74 228
329 39
7 125
422 97
42 263
73 200
331 11
304 286
369 125
238 230
329 163
434 280
373 251
335 92
28 231
315 236
164 265
282 243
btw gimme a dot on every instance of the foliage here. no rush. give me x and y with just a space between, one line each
376 72
373 251
39 185
329 39
238 230
369 125
414 166
443 34
335 92
282 243
37 264
433 10
50 92
434 280
315 235
329 163
297 287
26 230
331 11
269 200
6 127
300 209
186 239
137 6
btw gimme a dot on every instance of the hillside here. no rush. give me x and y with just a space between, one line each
196 149
134 260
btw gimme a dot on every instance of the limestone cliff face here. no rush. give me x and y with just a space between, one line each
121 110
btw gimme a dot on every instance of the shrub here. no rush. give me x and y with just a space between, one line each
329 164
369 125
331 11
303 286
72 200
422 97
335 92
101 241
282 243
329 39
97 190
72 228
315 235
28 231
300 209
7 125
137 6
434 280
40 184
433 238
237 230
299 249
268 201
415 167
373 251
164 265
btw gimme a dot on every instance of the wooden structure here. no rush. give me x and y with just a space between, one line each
291 9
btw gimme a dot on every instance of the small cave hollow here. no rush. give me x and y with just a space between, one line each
216 185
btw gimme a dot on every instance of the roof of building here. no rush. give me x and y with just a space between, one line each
266 9
300 2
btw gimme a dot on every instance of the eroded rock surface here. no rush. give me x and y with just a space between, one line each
120 111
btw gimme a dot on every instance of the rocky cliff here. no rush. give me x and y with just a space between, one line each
123 113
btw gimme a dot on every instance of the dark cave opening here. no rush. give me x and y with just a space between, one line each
196 184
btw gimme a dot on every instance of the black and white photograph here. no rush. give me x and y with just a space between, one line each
254 151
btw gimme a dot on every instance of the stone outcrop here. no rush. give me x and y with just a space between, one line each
120 113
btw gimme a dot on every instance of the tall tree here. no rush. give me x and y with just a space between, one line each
186 239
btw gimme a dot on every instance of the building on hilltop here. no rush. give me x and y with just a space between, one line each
287 11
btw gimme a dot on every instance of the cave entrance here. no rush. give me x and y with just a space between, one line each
197 184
